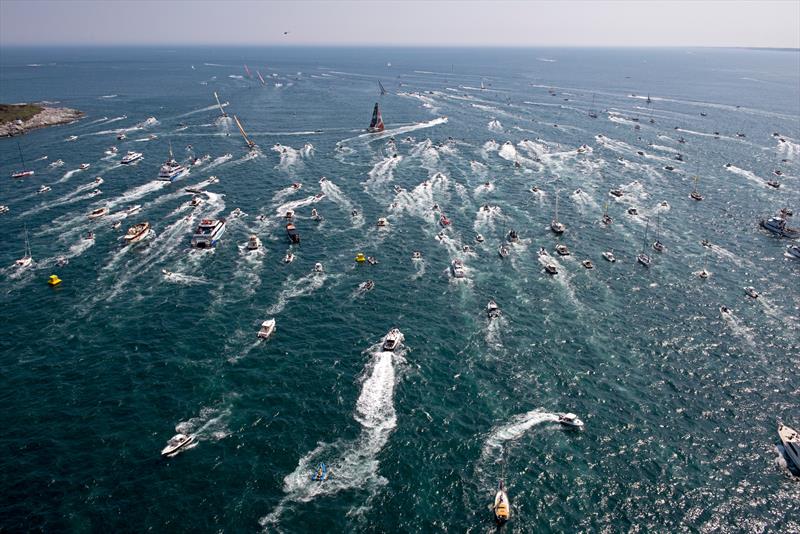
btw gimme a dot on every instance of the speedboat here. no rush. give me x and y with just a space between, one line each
289 215
294 237
609 256
84 166
393 340
658 246
557 227
774 183
208 233
366 286
137 232
493 310
644 259
289 258
44 189
71 138
318 268
98 180
502 506
177 444
703 274
616 192
562 250
131 157
791 443
443 220
777 226
315 215
751 292
267 329
457 266
99 212
4 208
513 237
570 419
254 243
794 251
479 238
416 255
503 251
382 222
588 264
550 268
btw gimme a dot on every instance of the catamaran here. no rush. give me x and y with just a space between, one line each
251 145
221 110
23 173
376 124
171 170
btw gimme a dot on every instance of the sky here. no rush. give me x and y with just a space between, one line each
746 23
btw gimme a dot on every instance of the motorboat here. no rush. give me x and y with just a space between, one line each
62 261
644 259
99 212
706 243
778 226
724 310
557 227
479 238
534 189
267 329
512 237
457 266
416 255
562 250
382 222
493 310
794 251
503 251
95 192
253 243
669 168
550 268
321 473
121 136
4 208
607 219
444 221
633 211
658 246
71 138
751 292
609 256
777 172
291 231
137 232
289 215
616 192
570 419
237 212
366 286
112 150
289 257
44 189
393 340
315 215
84 166
703 274
354 213
774 183
588 264
467 248
318 268
98 180
502 506
131 157
177 444
196 201
208 233
116 225
57 163
296 185
791 443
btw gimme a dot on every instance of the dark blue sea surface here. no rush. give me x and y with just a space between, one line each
680 401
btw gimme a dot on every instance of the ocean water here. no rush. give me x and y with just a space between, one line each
680 402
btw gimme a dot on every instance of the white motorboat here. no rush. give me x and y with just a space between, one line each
791 443
177 444
71 138
778 226
43 189
84 166
237 212
457 266
479 238
793 251
171 170
4 208
289 215
267 329
111 151
366 286
609 256
98 180
493 310
99 212
137 232
254 243
751 292
121 136
502 506
95 192
196 201
131 157
550 268
393 340
315 215
57 163
724 310
503 251
512 236
416 255
570 419
208 233
562 250
318 268
587 264
289 258
382 222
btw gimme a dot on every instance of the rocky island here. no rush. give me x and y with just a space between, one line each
17 119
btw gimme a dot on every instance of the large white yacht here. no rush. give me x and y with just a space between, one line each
131 157
208 233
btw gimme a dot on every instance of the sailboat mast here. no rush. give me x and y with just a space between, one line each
239 124
22 159
644 241
221 110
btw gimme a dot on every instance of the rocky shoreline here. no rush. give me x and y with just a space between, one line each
48 116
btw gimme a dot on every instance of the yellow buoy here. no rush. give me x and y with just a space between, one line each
54 280
360 257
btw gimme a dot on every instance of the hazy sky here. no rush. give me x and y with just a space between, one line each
771 23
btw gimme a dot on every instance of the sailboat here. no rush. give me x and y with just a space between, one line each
247 71
27 259
376 124
694 194
658 246
251 145
649 101
383 90
261 78
650 110
556 226
483 87
23 173
592 112
606 217
221 110
643 258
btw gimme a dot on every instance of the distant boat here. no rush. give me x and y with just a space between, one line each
251 145
658 246
261 79
22 173
643 258
27 259
171 170
649 101
219 105
383 90
592 112
694 194
483 87
556 226
791 443
248 72
376 124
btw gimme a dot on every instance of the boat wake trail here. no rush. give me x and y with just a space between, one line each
381 174
397 131
513 430
746 174
293 289
336 195
738 327
351 464
209 424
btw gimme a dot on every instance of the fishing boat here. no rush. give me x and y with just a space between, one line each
24 173
294 237
376 124
171 170
778 226
694 194
137 232
99 212
250 144
493 310
555 225
27 259
131 157
221 110
502 506
177 444
393 340
208 233
253 243
790 440
457 267
267 329
383 90
643 258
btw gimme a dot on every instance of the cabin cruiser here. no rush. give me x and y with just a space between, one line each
267 329
294 237
658 246
196 201
479 238
171 170
366 286
84 166
382 222
791 443
208 233
43 189
254 243
616 192
609 256
99 212
588 264
570 419
289 257
443 220
393 340
513 237
794 251
774 183
644 259
177 444
562 250
318 268
137 232
557 227
131 157
502 506
633 211
493 310
777 225
503 251
416 255
457 266
751 292
550 268
289 215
